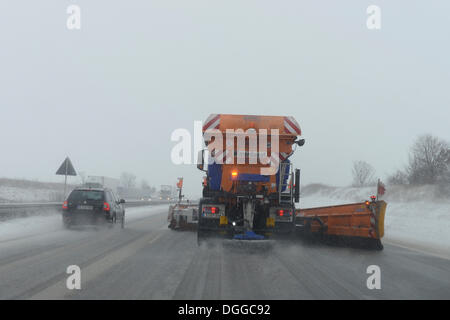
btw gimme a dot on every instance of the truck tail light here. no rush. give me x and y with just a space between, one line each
210 210
106 207
284 213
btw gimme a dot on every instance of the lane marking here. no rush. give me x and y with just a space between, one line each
95 269
419 250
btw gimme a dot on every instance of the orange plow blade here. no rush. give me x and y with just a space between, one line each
357 220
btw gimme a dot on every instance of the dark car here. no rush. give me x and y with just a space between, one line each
93 206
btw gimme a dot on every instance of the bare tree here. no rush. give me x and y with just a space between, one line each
363 174
444 180
398 178
128 180
428 160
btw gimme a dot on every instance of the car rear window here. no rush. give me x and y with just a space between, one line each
86 195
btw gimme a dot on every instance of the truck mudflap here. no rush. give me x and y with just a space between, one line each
363 221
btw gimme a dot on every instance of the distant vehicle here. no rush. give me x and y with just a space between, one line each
182 215
93 206
103 182
166 192
93 185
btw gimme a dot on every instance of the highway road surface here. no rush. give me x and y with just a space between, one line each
147 260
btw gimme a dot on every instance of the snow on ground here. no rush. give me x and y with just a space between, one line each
20 190
415 217
29 226
17 194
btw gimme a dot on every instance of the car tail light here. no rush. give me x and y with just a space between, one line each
65 205
280 213
106 206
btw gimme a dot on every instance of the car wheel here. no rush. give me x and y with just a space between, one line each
112 221
66 223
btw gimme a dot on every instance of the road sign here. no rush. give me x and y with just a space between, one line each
66 169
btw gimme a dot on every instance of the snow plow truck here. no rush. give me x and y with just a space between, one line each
244 199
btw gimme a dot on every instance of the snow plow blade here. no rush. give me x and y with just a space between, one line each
360 221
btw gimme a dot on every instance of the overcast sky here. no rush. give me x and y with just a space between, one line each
110 95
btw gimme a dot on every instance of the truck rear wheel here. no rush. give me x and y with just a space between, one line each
201 237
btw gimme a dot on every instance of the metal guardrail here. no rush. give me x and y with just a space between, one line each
15 210
4 206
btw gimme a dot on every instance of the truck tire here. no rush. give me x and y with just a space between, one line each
201 238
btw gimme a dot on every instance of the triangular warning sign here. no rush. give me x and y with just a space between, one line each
66 168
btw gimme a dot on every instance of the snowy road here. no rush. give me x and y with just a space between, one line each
146 260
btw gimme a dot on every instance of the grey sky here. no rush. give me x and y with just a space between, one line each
110 95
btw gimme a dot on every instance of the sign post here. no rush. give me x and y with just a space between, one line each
66 169
180 188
